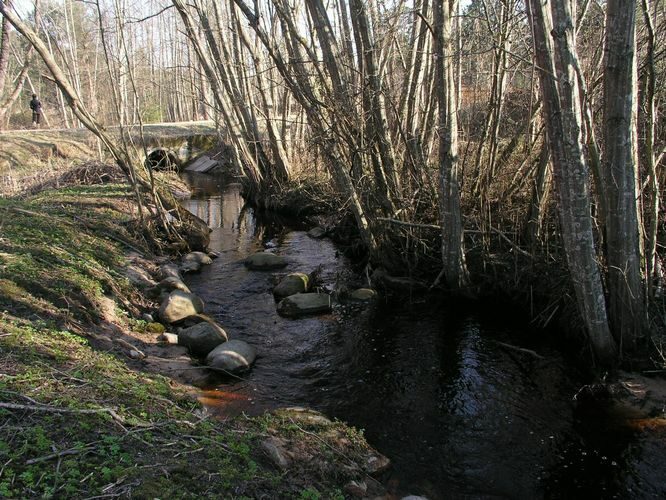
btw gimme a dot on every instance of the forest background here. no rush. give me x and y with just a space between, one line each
500 145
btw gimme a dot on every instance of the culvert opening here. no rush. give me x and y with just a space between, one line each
162 159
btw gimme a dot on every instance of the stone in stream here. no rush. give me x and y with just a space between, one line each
172 283
179 305
170 271
190 267
317 233
363 295
233 356
202 338
264 261
303 304
292 284
198 257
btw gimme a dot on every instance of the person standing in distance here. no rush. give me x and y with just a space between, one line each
36 106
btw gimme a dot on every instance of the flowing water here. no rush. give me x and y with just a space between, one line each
460 414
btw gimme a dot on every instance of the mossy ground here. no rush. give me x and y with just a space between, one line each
78 418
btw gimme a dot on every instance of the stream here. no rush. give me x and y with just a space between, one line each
435 389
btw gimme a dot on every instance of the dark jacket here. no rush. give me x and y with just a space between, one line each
36 105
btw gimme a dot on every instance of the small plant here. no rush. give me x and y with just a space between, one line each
309 494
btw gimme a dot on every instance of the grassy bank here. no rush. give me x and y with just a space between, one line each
81 417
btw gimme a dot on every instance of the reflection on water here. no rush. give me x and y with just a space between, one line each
460 415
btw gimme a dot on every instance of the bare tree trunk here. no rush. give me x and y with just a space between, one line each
653 201
540 190
251 168
301 87
625 287
379 131
553 33
4 47
453 255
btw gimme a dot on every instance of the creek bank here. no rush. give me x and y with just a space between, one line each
81 352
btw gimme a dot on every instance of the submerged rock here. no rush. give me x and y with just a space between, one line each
202 338
292 284
317 233
303 304
263 261
233 356
363 295
179 305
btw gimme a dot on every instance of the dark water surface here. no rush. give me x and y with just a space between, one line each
459 414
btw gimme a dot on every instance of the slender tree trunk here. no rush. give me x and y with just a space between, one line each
625 287
540 190
553 34
653 201
453 255
4 47
10 98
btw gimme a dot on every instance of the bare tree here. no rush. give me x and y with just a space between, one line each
625 286
653 192
453 255
553 32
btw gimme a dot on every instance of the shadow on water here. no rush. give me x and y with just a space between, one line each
459 414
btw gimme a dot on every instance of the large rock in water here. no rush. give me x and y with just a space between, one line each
202 338
263 261
304 304
233 356
179 305
292 284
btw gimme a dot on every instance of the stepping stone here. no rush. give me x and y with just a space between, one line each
233 356
202 338
304 304
179 305
292 284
